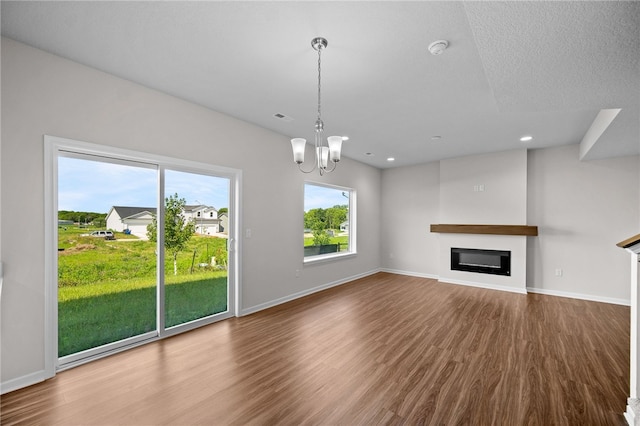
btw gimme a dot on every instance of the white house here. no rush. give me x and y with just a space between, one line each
134 219
205 218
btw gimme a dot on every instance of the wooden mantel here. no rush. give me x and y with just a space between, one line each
526 230
628 242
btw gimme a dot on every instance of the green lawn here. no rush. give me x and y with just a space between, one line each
106 289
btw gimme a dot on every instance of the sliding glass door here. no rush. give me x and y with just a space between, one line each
121 278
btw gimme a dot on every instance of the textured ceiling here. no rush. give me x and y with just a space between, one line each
512 68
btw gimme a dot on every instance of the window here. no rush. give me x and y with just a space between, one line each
329 221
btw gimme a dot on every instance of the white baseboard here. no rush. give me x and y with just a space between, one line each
630 416
592 298
411 274
23 381
457 282
484 285
303 293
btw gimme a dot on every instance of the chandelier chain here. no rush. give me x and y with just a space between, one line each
319 84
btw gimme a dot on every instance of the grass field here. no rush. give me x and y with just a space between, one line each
107 289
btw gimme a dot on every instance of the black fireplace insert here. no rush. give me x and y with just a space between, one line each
496 262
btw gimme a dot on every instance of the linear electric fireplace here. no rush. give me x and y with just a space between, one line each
496 262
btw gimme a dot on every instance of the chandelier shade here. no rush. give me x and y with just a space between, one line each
327 154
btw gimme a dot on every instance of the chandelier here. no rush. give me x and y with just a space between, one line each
327 154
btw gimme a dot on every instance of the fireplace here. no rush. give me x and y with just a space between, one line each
496 262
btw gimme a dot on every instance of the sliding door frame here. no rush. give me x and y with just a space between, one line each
53 147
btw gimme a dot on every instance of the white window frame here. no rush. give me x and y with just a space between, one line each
352 226
55 146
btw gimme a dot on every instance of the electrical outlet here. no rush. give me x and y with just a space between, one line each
247 233
558 272
297 273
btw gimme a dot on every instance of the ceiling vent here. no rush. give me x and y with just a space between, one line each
283 117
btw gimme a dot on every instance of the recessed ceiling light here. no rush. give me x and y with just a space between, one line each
391 159
436 138
526 138
370 154
345 138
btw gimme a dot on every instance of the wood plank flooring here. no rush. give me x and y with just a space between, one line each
386 349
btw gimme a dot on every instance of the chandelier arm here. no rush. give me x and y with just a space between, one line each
315 166
333 168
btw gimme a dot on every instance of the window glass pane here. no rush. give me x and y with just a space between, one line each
196 232
106 265
326 220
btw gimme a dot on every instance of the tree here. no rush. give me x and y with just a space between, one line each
314 219
222 211
335 216
177 230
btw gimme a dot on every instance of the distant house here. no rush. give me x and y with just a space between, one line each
344 226
133 219
136 219
205 218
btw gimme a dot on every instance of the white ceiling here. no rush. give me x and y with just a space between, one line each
512 68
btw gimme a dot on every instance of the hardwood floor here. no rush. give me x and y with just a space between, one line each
386 349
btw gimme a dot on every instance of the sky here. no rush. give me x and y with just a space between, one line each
323 197
96 186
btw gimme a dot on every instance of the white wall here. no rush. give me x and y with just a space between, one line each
503 201
410 204
45 94
582 210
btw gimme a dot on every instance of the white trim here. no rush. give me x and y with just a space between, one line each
484 285
327 257
23 381
409 273
97 352
629 416
50 256
234 242
589 297
294 296
556 293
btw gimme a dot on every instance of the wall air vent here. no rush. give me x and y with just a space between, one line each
282 117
